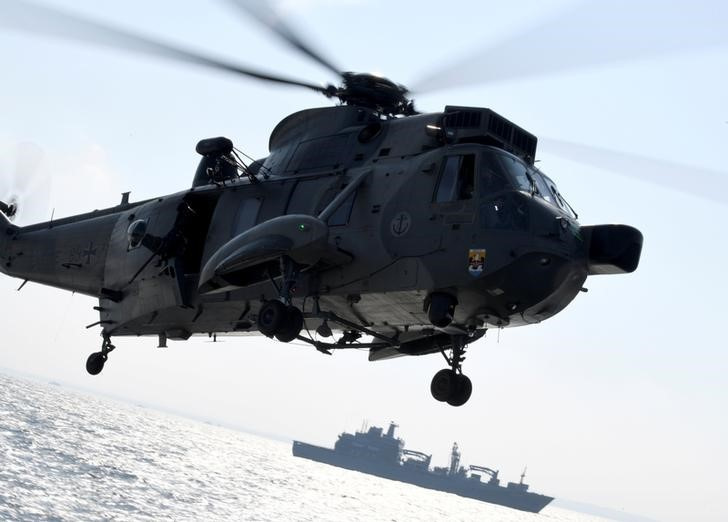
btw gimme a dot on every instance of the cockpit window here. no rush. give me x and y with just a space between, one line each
546 186
542 187
501 171
492 177
457 179
517 172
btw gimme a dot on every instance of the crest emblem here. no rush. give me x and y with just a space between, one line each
476 261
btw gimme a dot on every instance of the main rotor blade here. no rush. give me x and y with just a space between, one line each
705 183
266 15
586 35
34 18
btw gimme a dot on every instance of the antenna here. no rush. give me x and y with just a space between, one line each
523 475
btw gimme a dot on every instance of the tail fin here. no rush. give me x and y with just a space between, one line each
6 227
7 210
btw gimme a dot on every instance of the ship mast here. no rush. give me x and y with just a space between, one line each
392 427
454 459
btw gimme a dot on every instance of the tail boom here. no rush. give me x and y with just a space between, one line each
68 254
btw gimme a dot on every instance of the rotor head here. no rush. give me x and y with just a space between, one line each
373 92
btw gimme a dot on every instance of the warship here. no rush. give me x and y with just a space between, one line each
383 454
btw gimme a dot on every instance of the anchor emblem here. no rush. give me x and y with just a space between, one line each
400 224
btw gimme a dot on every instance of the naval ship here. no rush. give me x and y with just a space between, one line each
383 454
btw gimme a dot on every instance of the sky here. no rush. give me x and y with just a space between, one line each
618 401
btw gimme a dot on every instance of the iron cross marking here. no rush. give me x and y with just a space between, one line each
89 252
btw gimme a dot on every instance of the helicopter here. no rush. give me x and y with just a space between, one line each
369 225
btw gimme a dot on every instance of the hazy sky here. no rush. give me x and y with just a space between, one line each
620 400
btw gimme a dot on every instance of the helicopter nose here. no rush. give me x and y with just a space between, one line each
613 249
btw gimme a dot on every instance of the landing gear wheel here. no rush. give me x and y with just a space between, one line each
450 385
95 362
290 329
461 391
272 317
442 385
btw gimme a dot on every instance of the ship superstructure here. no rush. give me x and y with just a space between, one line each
381 453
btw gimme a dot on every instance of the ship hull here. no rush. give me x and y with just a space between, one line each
471 488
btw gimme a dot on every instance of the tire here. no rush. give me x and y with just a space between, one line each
442 385
463 390
292 326
271 317
95 363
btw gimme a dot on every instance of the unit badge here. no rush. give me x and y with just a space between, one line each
476 261
400 224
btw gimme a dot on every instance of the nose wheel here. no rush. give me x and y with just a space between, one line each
451 385
95 362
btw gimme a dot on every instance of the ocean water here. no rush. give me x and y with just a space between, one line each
69 456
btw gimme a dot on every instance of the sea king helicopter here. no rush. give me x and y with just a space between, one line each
369 225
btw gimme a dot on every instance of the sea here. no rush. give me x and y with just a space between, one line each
68 455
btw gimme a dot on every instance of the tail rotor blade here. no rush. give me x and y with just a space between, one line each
26 177
26 192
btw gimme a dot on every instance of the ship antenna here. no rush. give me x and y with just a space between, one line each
523 475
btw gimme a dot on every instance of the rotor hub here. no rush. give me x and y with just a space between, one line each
373 92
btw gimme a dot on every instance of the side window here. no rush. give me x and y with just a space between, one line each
457 179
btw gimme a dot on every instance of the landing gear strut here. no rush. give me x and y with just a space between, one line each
95 362
278 317
451 385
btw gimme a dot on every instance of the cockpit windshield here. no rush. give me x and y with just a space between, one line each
508 168
547 189
500 171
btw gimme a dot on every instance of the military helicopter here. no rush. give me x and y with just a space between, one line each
369 225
